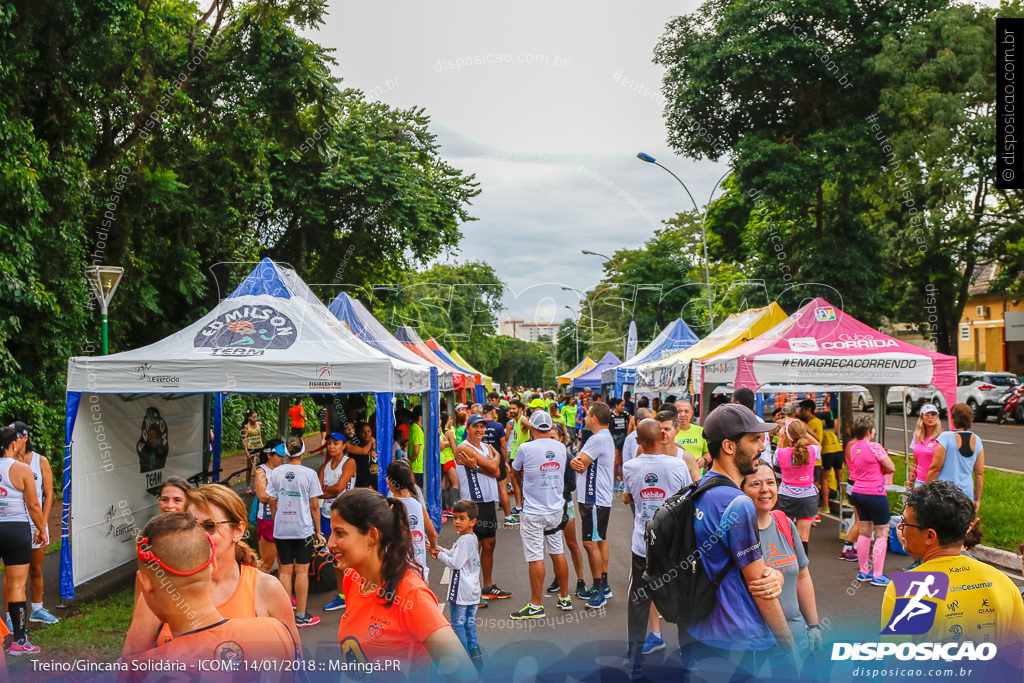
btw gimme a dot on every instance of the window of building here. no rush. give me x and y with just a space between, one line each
965 332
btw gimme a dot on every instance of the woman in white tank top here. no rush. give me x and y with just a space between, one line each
403 488
43 477
337 475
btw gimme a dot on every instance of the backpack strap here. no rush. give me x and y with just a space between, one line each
700 488
783 523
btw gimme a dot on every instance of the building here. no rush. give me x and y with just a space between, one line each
991 333
531 332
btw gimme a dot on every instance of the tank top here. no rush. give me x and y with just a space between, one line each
924 453
418 529
12 500
798 480
331 477
254 438
447 455
241 604
263 509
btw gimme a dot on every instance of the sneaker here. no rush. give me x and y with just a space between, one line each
597 599
511 521
607 591
529 612
517 511
249 492
653 643
492 592
816 521
581 590
565 603
553 588
483 604
306 620
24 648
477 658
915 565
882 581
849 554
42 616
337 603
295 605
861 576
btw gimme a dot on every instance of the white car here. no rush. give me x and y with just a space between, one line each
916 396
983 391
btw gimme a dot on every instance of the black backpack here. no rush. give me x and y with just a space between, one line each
675 574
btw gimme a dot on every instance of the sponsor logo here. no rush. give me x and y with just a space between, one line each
413 520
550 455
247 327
325 369
860 344
824 314
803 344
652 494
154 443
229 651
651 478
947 652
956 632
417 536
549 467
143 370
918 595
289 476
953 609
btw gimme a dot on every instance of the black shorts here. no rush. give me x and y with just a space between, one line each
502 469
833 461
418 476
594 519
618 440
486 521
798 508
15 543
297 431
294 550
874 509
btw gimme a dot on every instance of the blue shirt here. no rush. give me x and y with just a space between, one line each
728 514
956 468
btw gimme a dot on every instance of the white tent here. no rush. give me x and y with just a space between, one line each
136 416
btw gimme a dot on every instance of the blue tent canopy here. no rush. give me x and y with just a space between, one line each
676 337
592 379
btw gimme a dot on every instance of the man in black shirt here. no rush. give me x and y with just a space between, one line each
494 436
618 428
495 399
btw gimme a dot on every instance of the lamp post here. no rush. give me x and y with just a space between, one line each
576 332
104 280
703 236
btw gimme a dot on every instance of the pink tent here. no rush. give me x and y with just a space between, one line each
819 344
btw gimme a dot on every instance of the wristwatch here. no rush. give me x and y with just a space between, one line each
815 626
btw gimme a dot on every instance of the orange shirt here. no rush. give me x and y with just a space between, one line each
241 604
220 652
298 415
370 632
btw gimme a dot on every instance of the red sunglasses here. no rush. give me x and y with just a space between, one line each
148 556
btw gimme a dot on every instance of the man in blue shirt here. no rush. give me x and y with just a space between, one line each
741 628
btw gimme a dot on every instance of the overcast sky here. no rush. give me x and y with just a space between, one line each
552 144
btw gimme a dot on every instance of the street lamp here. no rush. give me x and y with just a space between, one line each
104 280
576 331
703 236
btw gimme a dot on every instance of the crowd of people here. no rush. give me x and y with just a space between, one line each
757 487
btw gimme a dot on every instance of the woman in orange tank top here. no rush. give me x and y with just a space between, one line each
238 588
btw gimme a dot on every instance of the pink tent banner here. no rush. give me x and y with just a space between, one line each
820 344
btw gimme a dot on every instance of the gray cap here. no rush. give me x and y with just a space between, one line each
541 421
730 420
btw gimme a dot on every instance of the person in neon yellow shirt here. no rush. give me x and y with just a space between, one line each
417 443
569 414
691 436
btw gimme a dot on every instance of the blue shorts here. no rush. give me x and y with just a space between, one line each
871 508
325 526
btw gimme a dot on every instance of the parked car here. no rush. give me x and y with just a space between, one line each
983 391
916 397
863 401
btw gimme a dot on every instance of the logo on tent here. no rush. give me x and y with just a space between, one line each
325 369
824 314
246 331
803 344
153 445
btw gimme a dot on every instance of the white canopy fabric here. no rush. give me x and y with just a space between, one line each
270 335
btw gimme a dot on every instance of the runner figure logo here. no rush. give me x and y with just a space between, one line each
918 595
153 446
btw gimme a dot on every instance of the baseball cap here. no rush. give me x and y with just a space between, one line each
282 450
461 406
538 403
337 436
20 429
730 420
926 408
541 421
475 419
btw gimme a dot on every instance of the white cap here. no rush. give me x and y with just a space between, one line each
929 408
541 421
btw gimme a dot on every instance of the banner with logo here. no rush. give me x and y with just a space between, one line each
121 449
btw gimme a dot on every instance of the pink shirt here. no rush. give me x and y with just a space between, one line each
924 453
797 480
864 460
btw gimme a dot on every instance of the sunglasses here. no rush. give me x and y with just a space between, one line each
147 556
210 526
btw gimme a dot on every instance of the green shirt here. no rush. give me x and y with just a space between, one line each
692 440
522 435
416 439
569 413
460 435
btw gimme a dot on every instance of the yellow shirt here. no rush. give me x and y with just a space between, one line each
692 441
817 428
830 442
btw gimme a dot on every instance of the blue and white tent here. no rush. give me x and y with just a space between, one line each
675 338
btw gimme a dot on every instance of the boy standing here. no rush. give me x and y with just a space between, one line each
464 590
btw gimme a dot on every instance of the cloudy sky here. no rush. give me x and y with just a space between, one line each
548 104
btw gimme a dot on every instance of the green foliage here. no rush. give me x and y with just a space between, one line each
521 363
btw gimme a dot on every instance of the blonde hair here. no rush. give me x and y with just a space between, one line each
919 429
227 500
797 433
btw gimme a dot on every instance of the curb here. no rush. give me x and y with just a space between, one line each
1003 559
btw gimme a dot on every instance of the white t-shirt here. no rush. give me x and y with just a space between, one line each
293 486
649 479
542 463
418 529
478 487
630 447
594 484
464 561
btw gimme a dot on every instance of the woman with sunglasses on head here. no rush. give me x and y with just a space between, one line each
20 512
252 440
238 589
371 543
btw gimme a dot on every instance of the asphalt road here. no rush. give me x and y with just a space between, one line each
1003 443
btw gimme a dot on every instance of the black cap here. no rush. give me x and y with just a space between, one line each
731 420
20 429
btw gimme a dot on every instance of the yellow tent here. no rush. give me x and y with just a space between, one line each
462 362
673 374
586 365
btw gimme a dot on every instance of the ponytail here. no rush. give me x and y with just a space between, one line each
400 472
797 433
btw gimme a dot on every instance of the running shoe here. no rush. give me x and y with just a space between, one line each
337 603
306 620
511 521
492 592
581 590
477 658
517 511
24 648
607 591
915 565
848 554
249 492
597 599
529 612
553 588
653 643
565 603
882 581
816 521
42 616
861 576
295 605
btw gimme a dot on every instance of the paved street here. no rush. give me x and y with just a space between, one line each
1003 443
